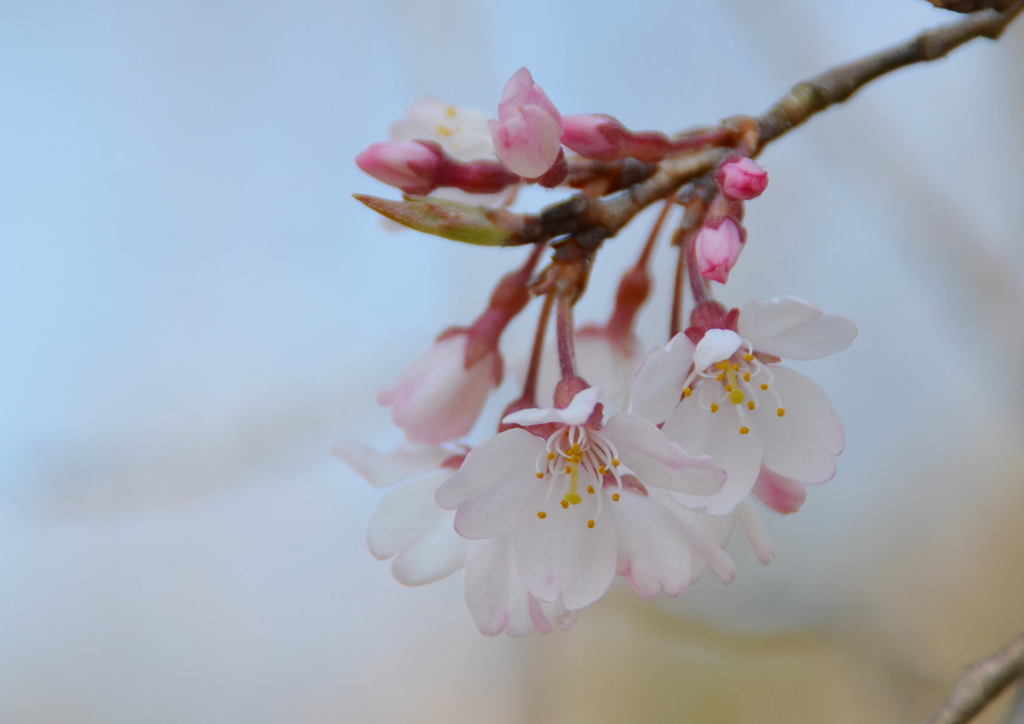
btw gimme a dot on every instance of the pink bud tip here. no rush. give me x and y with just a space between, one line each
594 135
717 247
527 134
741 178
409 165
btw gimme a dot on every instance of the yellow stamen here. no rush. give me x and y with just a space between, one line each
748 357
541 514
444 130
737 396
781 412
564 504
573 498
552 456
616 462
687 392
764 385
568 468
540 475
744 430
714 407
590 489
602 469
751 405
615 497
746 377
450 111
590 524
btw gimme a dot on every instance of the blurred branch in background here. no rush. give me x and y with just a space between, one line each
981 683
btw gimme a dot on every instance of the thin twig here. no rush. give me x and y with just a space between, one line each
982 682
805 100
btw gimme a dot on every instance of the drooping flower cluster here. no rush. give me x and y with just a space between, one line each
621 463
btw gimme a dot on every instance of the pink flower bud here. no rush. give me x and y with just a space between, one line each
408 165
439 398
717 247
527 134
594 135
741 178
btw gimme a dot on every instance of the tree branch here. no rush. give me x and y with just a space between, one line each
982 682
805 100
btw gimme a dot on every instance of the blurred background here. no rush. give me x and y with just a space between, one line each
194 310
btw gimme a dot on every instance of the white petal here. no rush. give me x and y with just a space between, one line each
577 413
781 494
439 552
606 365
715 346
509 454
793 446
808 407
384 469
494 512
707 536
657 385
756 533
717 434
657 461
559 557
654 552
495 595
791 328
404 515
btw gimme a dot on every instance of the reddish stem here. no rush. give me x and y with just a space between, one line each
565 335
676 325
529 396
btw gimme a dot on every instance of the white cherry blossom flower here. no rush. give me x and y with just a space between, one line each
463 132
728 397
409 526
553 487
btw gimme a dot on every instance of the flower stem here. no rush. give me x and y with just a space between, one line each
682 240
565 336
529 396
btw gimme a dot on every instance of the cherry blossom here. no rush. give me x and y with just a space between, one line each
553 486
440 397
527 134
727 396
461 131
718 246
741 178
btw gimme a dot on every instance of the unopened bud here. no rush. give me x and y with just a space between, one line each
717 247
408 165
741 178
594 135
527 134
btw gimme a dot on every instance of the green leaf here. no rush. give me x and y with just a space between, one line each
450 219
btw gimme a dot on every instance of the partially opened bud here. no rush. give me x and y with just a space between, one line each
594 135
741 178
717 247
408 165
527 134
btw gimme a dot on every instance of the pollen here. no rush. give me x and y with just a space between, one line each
748 357
744 430
616 462
714 407
615 497
781 412
751 405
552 456
590 524
602 469
573 498
565 504
444 130
590 489
451 111
541 514
540 475
568 468
746 377
687 392
736 396
764 385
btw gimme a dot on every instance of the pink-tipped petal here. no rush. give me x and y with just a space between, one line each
791 328
384 469
717 248
781 494
741 178
657 385
403 515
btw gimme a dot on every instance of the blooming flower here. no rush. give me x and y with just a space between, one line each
718 246
553 487
410 527
440 397
461 131
727 396
527 134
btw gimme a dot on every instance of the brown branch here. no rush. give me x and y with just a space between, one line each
805 100
982 682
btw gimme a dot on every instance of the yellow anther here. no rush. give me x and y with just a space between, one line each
746 377
590 489
720 376
573 498
714 407
540 475
615 497
602 469
564 503
736 396
552 456
616 462
764 385
687 392
751 405
728 388
568 468
721 365
541 514
451 111
781 412
748 357
735 367
744 430
444 130
590 524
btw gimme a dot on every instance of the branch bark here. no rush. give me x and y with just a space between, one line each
982 682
